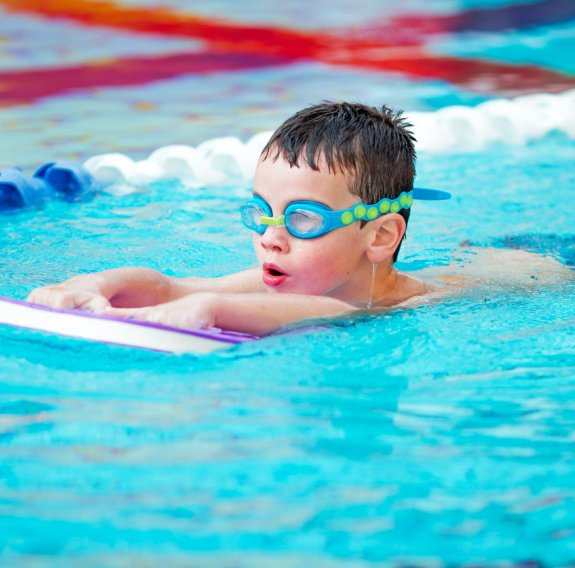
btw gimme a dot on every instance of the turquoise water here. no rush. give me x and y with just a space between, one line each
436 436
443 432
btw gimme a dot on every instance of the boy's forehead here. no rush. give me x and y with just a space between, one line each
276 177
277 161
318 162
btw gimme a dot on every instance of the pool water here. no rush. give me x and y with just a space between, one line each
436 436
440 432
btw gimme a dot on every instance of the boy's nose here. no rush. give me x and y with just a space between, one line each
275 239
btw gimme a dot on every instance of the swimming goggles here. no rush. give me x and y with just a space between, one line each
310 219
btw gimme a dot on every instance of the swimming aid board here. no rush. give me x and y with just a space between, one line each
86 325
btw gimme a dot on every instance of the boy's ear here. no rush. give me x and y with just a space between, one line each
385 234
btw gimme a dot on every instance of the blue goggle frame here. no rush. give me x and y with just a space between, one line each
257 214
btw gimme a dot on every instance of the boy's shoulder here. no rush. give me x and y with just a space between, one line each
500 268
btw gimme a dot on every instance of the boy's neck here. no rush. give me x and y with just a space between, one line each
392 287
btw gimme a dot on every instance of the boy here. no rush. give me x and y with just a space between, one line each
324 168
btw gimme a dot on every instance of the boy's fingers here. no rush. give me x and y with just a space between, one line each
98 305
118 312
125 313
31 297
140 314
38 296
52 299
157 316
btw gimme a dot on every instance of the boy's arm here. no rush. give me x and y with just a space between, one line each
263 313
258 313
243 282
136 287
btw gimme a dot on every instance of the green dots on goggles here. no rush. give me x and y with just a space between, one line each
361 212
347 218
406 200
384 206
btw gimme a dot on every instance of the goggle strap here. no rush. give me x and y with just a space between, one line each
363 212
426 194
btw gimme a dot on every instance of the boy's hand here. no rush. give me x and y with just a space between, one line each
80 292
122 287
196 311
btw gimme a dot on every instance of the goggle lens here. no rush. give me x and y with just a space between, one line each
303 222
251 217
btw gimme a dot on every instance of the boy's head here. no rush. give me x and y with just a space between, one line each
373 147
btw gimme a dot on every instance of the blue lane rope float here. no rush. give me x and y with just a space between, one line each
70 181
18 190
66 180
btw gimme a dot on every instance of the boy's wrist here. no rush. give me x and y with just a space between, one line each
210 312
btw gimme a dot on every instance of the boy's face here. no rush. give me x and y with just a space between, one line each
331 265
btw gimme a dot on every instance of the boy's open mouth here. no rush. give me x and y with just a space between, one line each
272 275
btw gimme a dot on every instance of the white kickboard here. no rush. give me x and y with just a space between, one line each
85 325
